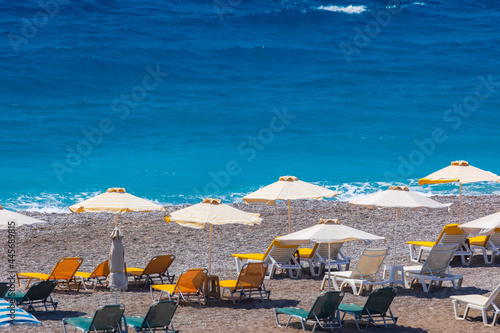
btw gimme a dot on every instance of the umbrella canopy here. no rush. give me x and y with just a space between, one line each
461 172
398 197
7 216
327 231
115 200
117 279
212 212
484 225
10 314
288 188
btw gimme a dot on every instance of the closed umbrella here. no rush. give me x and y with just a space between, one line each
11 315
485 225
327 231
117 279
212 212
288 188
461 172
10 218
398 197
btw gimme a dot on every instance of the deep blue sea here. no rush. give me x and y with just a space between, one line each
177 100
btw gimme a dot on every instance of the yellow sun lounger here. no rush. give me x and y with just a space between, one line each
250 281
189 284
276 255
158 266
98 275
64 272
487 243
451 234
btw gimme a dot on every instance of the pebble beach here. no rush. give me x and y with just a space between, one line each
146 235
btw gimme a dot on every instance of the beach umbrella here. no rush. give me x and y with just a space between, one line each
398 197
115 200
211 212
328 231
11 315
288 188
117 279
485 225
461 172
7 217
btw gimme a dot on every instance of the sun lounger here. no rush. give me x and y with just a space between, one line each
486 243
156 267
250 282
276 255
317 257
366 274
479 302
159 316
106 319
38 296
451 234
324 312
189 285
97 276
376 309
4 287
63 272
436 269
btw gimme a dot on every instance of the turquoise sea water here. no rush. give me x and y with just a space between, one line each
180 100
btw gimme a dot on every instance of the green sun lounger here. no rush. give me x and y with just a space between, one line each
324 312
159 316
376 309
4 286
38 296
106 319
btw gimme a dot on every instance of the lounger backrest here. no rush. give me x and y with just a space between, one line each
280 253
325 305
107 317
495 238
4 287
40 290
494 297
191 280
451 234
101 271
159 264
379 301
65 268
334 250
252 275
369 263
159 314
439 259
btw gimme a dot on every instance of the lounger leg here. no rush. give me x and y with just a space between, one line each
276 316
238 265
455 309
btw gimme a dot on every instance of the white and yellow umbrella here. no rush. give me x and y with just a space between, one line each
399 197
485 225
115 200
13 219
288 188
212 212
461 172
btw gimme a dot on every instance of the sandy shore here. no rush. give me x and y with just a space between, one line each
38 247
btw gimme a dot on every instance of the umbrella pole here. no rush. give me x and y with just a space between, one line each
116 296
210 252
395 237
329 267
460 191
289 219
116 220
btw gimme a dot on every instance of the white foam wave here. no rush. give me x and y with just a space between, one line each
347 9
